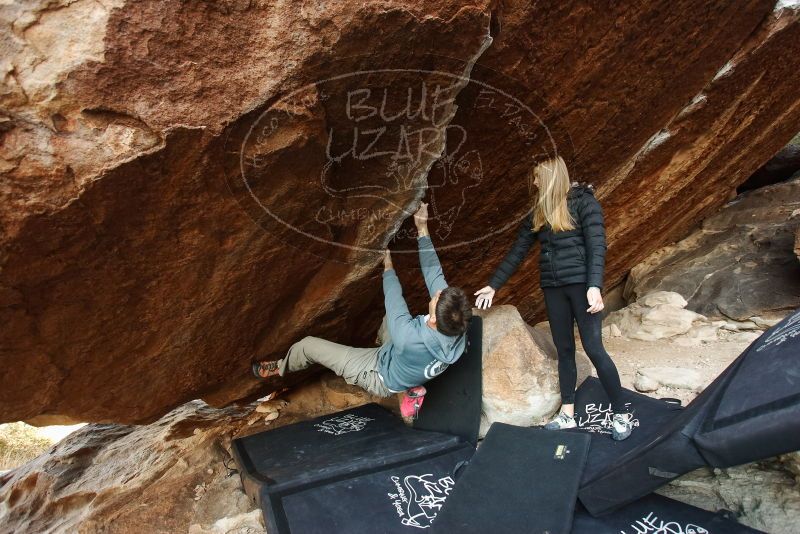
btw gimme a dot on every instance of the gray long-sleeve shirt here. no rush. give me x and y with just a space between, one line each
416 352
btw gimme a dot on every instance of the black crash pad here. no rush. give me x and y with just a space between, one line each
520 480
293 468
750 412
657 514
334 445
399 499
593 414
453 401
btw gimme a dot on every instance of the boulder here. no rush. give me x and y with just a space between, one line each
656 316
739 265
520 370
189 186
762 495
645 384
792 462
667 298
169 476
174 475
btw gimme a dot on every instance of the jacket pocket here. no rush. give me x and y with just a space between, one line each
581 253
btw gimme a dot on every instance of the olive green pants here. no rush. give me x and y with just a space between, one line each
358 367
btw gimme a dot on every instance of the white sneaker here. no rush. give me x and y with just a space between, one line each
621 426
560 422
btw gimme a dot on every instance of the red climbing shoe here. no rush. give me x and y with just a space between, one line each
412 402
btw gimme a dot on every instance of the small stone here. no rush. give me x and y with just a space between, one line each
745 337
674 377
735 326
266 407
651 300
271 416
762 322
703 332
644 383
210 471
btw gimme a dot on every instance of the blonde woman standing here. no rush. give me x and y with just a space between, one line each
568 222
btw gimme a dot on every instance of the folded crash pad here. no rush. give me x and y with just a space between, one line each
593 415
656 514
520 480
750 412
453 401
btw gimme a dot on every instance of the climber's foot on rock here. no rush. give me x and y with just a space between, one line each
265 369
412 402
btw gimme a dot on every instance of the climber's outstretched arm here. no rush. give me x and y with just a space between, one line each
428 259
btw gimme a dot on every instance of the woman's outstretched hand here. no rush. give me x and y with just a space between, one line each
485 296
595 300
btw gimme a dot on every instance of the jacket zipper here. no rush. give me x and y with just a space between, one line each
552 257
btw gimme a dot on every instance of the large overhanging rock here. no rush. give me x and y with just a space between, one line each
172 206
139 269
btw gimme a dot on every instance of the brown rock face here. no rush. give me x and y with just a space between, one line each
187 186
797 243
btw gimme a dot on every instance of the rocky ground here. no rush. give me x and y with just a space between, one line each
174 475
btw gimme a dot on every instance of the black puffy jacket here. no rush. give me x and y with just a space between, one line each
570 257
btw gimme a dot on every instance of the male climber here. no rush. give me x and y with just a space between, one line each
418 349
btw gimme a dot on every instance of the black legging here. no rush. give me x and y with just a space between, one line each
568 303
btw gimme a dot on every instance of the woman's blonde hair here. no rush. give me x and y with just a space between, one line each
550 204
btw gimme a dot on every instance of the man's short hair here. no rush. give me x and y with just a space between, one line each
453 311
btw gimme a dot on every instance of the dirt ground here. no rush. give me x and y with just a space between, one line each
710 359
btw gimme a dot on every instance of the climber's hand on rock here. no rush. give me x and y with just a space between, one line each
485 296
421 219
387 261
595 300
